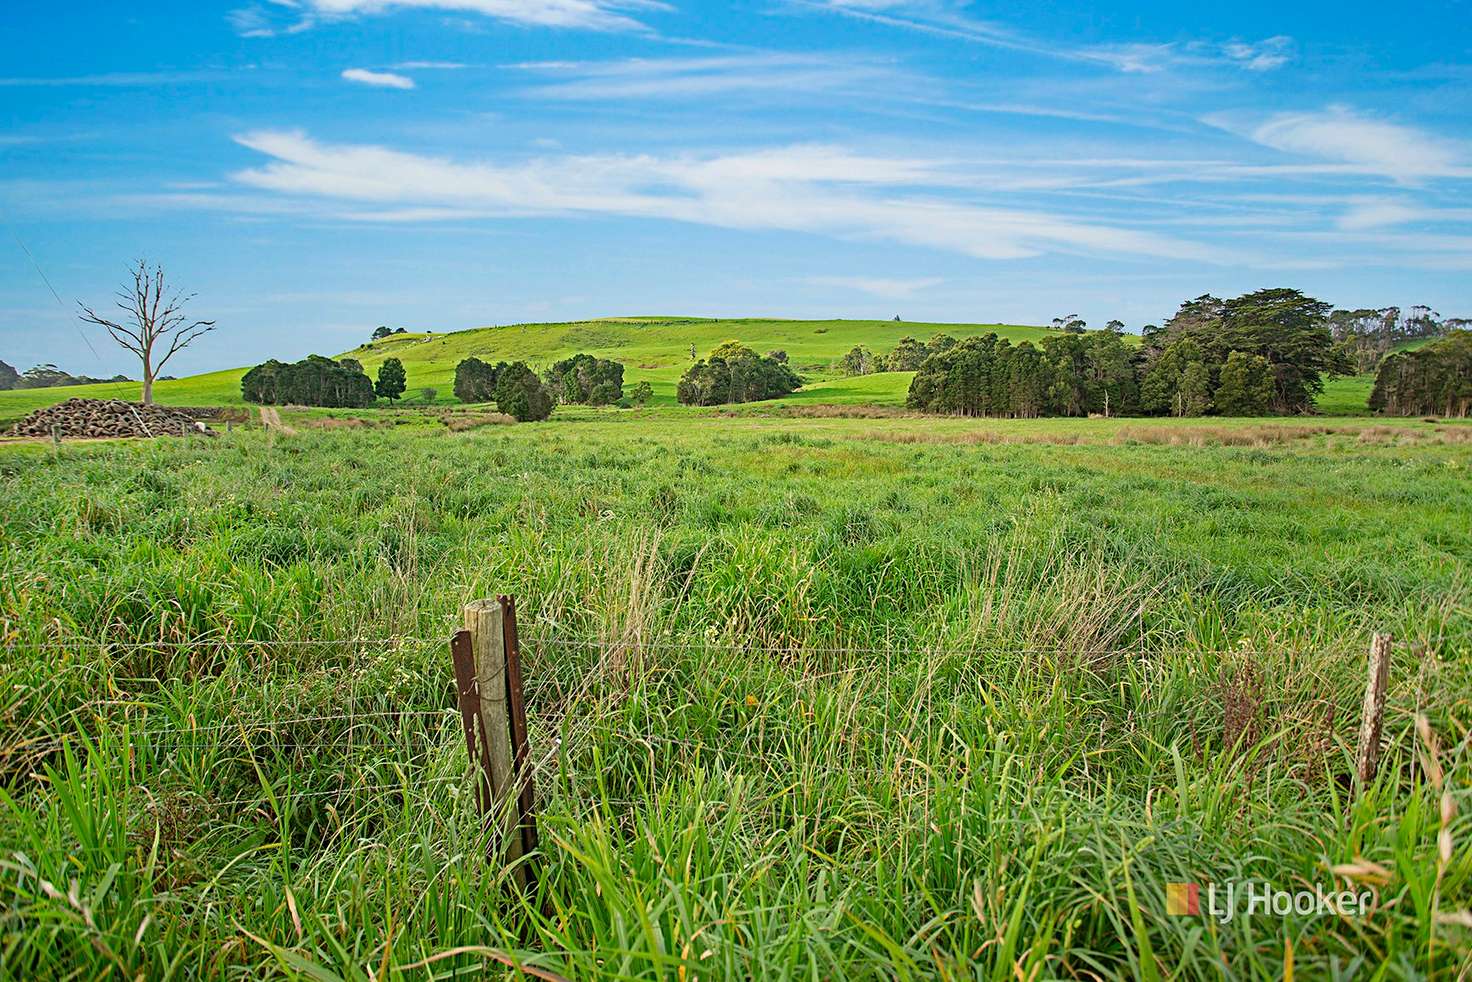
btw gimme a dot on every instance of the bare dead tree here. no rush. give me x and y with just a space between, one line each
155 322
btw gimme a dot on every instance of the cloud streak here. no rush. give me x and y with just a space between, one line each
948 18
883 287
813 189
593 15
686 78
1357 144
277 17
382 80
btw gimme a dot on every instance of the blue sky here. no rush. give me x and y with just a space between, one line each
314 168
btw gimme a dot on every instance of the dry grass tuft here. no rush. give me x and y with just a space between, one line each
460 422
1221 436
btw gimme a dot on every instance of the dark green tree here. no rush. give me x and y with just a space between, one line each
475 380
642 393
940 343
1194 396
1027 382
1114 387
520 394
1246 386
1165 388
907 356
584 378
392 380
380 332
1291 331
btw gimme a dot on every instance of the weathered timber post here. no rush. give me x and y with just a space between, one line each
1367 754
493 716
521 762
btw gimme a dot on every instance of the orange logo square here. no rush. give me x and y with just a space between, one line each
1182 898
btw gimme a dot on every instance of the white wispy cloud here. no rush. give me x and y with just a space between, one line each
950 18
270 18
383 80
1357 143
683 77
1255 56
1371 213
879 286
806 188
596 15
115 79
1261 56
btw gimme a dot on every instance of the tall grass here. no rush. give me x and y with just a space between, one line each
811 704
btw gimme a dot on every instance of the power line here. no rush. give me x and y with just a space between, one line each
47 280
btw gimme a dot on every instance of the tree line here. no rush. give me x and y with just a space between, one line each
1260 353
908 355
517 390
319 381
1368 335
1436 378
512 386
735 373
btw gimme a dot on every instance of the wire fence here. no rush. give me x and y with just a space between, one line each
565 698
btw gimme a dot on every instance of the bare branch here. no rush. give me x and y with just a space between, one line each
155 319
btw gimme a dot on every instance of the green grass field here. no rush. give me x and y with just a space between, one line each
837 698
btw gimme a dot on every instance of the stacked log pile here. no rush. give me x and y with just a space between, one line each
108 418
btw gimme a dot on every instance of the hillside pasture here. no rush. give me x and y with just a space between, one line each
652 349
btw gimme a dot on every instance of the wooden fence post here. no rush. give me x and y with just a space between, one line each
521 763
493 715
1367 754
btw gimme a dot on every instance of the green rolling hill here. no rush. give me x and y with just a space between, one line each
652 348
656 349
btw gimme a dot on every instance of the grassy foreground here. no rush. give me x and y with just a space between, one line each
895 698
